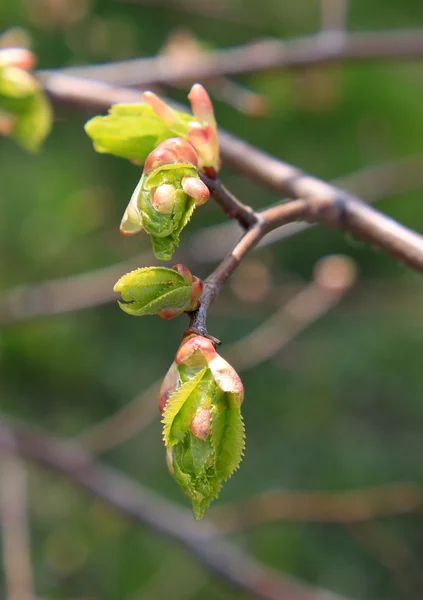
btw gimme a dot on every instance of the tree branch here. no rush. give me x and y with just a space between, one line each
229 203
147 508
328 203
14 519
342 211
268 54
209 245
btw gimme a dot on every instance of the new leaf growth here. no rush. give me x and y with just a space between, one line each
203 430
159 291
166 196
170 188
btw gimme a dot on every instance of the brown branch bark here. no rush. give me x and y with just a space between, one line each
147 508
268 54
209 245
14 520
327 203
342 211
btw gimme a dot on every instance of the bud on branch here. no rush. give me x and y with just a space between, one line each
132 131
203 430
159 291
166 196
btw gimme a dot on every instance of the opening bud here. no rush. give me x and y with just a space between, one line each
194 187
163 198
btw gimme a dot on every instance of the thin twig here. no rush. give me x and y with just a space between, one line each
357 506
333 278
145 507
209 245
343 212
327 203
213 283
15 529
268 54
230 204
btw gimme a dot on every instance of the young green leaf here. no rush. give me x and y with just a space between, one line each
159 291
134 130
227 435
189 392
130 131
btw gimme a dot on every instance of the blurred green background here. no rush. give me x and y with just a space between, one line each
339 408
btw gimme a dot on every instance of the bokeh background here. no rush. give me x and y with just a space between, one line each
339 408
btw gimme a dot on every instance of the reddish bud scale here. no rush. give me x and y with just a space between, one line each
171 151
184 271
197 287
194 349
201 105
169 385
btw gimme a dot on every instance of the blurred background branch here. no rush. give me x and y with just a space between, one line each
145 507
357 506
262 55
17 565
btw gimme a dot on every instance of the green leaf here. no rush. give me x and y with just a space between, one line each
150 290
182 405
130 131
200 466
227 435
193 465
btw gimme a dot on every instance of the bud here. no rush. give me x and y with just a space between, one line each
17 57
194 187
163 198
200 400
159 291
133 131
24 109
201 132
201 105
166 196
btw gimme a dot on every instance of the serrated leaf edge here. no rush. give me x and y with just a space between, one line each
175 403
